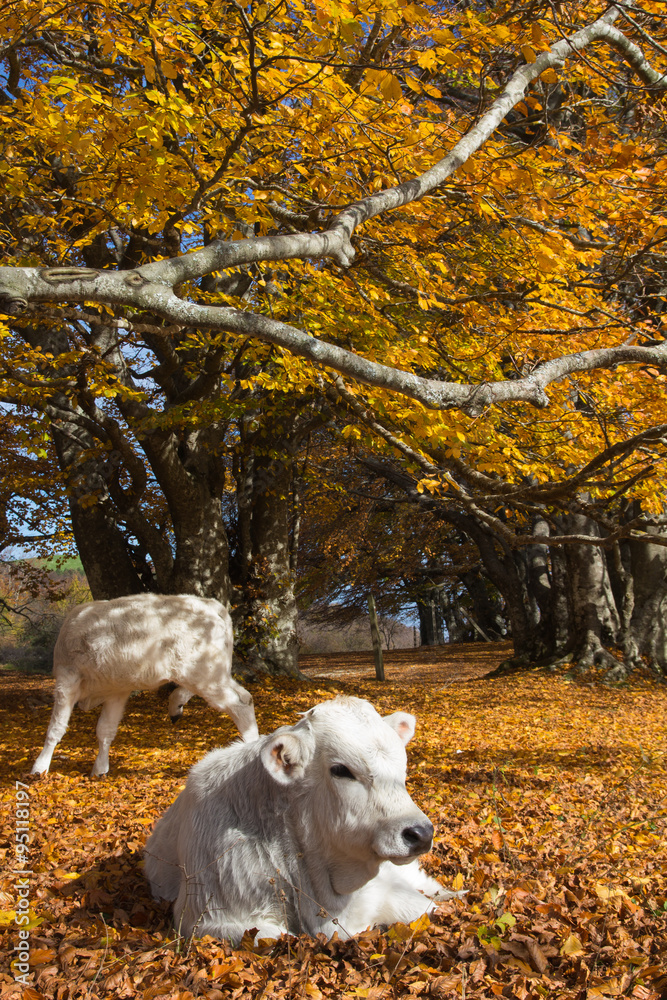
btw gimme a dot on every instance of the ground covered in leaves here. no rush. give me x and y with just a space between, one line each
549 799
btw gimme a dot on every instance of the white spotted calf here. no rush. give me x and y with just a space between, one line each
107 649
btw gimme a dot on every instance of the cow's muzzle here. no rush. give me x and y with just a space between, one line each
419 837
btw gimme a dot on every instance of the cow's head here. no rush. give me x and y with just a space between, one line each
178 698
345 766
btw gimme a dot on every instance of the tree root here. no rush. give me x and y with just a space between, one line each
588 655
510 666
591 653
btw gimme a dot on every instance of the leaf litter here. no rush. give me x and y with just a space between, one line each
550 804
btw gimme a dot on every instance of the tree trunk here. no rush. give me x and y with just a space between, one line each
507 572
594 619
647 634
558 617
429 610
458 628
546 580
201 548
267 560
375 639
103 550
487 611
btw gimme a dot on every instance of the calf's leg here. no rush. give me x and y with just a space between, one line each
64 700
107 725
243 716
238 704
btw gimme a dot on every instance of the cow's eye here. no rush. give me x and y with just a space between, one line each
340 771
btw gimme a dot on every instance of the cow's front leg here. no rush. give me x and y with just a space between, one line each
107 726
239 706
243 717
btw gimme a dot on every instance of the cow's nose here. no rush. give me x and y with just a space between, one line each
418 837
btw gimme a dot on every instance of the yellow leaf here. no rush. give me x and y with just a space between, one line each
549 76
149 69
448 57
545 260
221 970
457 884
388 84
607 893
427 60
400 932
572 946
610 988
528 53
391 87
443 37
420 924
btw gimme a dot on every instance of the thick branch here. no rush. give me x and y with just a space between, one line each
127 289
335 243
449 509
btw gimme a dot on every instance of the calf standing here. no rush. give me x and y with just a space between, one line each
107 649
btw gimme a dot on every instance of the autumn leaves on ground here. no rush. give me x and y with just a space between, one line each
549 799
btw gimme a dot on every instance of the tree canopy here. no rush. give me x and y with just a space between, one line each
223 225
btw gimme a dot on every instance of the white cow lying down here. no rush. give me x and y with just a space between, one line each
107 649
303 830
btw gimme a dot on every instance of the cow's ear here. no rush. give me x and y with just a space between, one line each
403 725
288 754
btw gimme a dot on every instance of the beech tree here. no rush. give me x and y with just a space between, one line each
223 222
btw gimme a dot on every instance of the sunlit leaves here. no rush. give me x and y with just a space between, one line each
137 131
547 800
